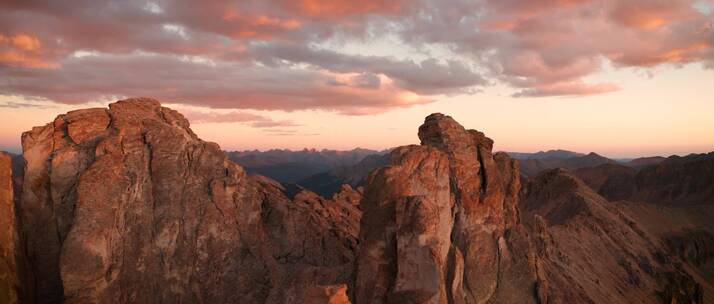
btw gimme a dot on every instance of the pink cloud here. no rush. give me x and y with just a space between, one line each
225 85
267 55
567 89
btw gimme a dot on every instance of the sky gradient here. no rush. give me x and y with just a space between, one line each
622 78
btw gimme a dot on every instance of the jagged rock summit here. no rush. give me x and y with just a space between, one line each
128 205
435 222
447 222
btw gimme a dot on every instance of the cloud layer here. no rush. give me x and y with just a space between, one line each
281 55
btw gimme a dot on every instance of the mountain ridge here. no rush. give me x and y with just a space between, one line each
126 204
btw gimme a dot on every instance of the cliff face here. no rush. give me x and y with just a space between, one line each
9 279
127 205
448 222
436 220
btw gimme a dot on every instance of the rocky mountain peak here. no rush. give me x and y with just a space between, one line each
127 204
445 133
435 219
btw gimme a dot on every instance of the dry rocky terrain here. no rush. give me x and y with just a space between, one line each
127 205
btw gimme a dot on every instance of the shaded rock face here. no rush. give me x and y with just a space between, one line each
695 247
438 223
9 279
127 205
312 239
588 251
612 181
677 180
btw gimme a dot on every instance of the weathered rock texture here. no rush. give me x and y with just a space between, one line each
438 223
448 222
9 279
588 251
127 205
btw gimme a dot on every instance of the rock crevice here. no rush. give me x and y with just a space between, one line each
128 205
441 206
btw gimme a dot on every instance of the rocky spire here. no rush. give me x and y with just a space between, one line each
434 222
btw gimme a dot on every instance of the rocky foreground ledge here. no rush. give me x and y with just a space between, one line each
128 205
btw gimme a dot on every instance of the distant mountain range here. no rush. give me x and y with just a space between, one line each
292 166
324 171
534 163
674 180
545 154
330 182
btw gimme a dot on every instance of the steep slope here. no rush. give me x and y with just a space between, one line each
677 180
687 232
590 252
127 205
612 181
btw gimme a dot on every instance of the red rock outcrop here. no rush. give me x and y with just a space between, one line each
435 222
448 222
127 205
349 195
9 279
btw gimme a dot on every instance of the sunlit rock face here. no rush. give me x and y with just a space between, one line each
447 221
128 205
9 277
435 222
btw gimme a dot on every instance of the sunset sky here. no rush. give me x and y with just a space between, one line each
621 78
